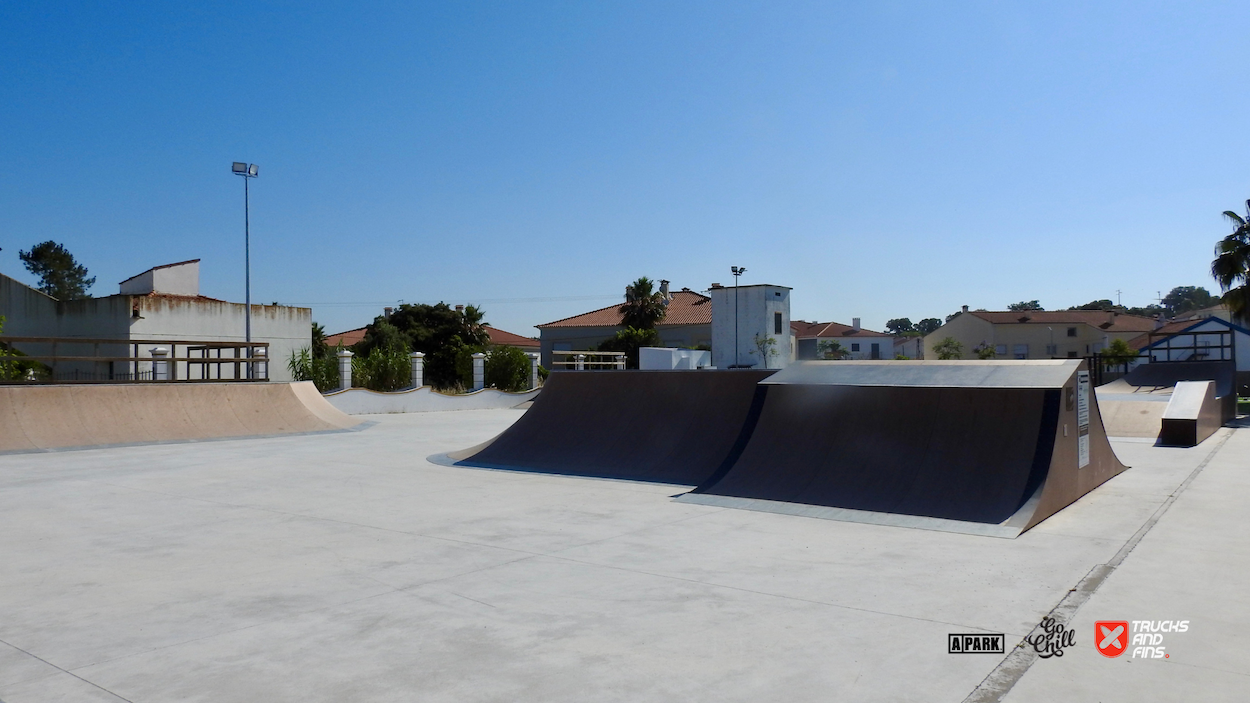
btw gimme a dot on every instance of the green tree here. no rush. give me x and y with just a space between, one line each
319 347
644 307
1103 304
984 350
1025 305
901 327
765 348
830 349
1183 299
438 331
928 325
1118 352
949 348
630 340
1231 268
507 368
59 275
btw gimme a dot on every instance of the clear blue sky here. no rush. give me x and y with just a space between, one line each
884 160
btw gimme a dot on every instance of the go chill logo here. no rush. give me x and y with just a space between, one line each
1112 637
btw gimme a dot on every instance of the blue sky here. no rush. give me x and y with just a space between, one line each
883 159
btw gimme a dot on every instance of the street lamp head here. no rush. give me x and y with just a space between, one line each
253 170
737 270
239 167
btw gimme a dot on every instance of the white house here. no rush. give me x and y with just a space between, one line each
159 306
744 315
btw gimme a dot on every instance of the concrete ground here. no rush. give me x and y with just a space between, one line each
345 567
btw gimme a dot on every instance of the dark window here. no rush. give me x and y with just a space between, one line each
776 323
1071 331
854 346
1071 355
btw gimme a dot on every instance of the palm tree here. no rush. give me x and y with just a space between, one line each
1231 267
644 307
474 327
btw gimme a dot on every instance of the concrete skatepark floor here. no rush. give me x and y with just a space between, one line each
345 567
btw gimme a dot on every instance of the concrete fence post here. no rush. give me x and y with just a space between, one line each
160 363
479 371
262 363
533 369
345 369
579 362
418 369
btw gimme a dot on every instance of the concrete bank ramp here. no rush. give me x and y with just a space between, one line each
662 426
1135 405
987 447
35 418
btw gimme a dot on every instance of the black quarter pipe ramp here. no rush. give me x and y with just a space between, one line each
661 426
985 447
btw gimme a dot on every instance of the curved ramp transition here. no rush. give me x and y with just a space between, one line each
992 447
35 418
662 426
1147 402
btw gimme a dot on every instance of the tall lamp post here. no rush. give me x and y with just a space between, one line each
736 271
248 171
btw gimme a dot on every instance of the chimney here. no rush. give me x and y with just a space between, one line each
459 308
386 312
1110 317
855 324
664 290
1158 321
629 294
716 285
965 309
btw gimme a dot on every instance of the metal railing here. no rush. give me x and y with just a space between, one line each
63 360
587 360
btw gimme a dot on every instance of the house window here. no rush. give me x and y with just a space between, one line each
1000 350
1071 355
1071 331
776 323
1052 349
854 346
1020 351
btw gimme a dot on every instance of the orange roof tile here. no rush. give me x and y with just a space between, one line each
347 338
508 339
686 308
808 330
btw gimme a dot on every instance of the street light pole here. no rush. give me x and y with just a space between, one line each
736 271
248 171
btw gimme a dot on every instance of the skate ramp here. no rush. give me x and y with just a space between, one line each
988 447
661 426
1191 416
36 418
1134 406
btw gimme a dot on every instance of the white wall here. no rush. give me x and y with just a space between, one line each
757 307
665 359
180 279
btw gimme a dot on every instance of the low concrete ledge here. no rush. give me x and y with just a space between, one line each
361 401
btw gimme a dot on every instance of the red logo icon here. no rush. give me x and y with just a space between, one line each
1111 637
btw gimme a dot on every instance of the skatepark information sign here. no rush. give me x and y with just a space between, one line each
1082 419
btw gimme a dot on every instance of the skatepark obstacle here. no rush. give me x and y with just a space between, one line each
36 418
1137 404
987 447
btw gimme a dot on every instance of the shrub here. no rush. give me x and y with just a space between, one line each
949 348
507 368
322 371
384 369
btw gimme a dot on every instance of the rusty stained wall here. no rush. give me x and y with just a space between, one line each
286 329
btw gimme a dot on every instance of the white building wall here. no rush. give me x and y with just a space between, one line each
286 329
761 310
